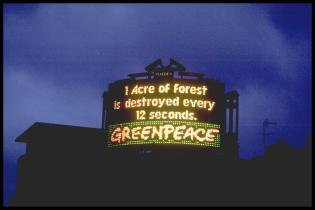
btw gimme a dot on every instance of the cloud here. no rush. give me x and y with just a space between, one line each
29 99
60 57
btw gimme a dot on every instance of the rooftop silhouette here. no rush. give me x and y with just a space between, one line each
68 165
71 168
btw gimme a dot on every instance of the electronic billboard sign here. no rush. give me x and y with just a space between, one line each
162 109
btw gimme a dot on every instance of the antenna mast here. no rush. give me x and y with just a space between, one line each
266 123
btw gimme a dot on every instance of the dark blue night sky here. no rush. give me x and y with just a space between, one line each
59 58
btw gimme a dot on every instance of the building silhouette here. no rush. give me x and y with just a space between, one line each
72 166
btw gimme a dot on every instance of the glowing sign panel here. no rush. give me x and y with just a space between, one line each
163 132
179 111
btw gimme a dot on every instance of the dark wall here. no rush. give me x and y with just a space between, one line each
82 172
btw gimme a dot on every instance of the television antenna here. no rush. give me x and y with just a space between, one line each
266 123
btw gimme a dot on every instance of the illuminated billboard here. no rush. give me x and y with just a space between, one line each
163 109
